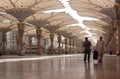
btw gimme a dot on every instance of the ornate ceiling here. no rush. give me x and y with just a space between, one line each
71 18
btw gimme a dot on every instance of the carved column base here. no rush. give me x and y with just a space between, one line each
118 41
51 50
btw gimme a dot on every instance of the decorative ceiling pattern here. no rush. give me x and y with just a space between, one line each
71 18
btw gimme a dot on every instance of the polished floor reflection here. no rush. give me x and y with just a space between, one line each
71 67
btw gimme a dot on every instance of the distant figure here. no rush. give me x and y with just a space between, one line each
23 51
110 50
87 50
100 49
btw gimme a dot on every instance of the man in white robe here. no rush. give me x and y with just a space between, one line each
100 49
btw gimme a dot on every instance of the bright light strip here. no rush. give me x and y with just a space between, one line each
3 13
74 14
72 25
77 17
35 58
56 11
6 21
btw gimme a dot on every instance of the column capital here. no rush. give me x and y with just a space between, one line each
38 31
51 35
115 21
59 38
21 25
117 1
117 8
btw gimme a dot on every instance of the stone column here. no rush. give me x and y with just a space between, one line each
117 11
62 52
30 44
114 46
59 47
17 43
117 43
70 43
113 36
21 27
3 41
38 32
66 41
74 46
45 43
51 48
119 40
78 47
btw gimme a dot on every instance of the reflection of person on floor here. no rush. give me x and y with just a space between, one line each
87 71
100 49
87 45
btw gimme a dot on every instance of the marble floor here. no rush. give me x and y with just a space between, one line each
59 67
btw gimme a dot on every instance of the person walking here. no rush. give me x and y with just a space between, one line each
100 49
87 50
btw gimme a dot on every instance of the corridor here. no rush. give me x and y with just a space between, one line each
59 67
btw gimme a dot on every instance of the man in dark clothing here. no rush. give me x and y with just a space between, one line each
87 45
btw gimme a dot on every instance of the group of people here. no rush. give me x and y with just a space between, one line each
99 48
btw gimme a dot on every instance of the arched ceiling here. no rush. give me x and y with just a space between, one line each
71 18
